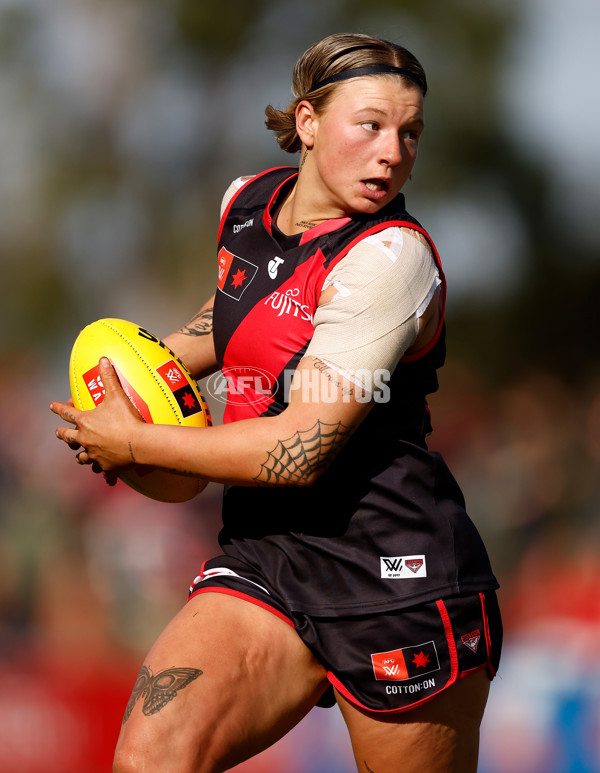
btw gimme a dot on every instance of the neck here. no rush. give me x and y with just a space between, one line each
300 210
292 218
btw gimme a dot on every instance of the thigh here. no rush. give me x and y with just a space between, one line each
225 680
440 736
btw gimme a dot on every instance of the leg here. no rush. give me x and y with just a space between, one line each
236 678
441 736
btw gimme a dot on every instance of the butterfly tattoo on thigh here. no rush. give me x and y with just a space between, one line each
157 690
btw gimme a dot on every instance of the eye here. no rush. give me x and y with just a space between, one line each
411 135
371 126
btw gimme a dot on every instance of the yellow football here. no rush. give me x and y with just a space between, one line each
157 383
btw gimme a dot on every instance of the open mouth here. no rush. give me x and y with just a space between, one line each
377 185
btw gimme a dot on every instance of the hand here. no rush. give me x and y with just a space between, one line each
105 433
83 458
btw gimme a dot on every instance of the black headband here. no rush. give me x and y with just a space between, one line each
374 69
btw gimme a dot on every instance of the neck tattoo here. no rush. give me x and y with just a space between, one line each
302 160
305 224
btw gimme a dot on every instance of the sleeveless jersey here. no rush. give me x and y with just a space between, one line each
385 526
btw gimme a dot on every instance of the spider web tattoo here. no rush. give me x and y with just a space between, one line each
296 459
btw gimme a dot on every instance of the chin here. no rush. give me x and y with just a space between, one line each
368 207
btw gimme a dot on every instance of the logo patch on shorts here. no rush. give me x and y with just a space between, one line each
406 663
471 640
402 567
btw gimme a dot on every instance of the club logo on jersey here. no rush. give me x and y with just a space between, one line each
405 663
402 567
471 640
173 377
235 274
273 266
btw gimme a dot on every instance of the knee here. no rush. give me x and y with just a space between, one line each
124 762
139 758
133 758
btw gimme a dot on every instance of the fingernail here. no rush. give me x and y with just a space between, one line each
104 362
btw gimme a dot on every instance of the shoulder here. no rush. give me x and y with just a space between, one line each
263 185
234 187
399 254
396 241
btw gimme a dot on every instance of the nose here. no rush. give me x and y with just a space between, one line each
391 149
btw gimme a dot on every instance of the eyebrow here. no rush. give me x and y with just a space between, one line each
378 111
371 110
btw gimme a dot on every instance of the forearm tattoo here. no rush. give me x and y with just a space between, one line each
158 690
297 459
200 325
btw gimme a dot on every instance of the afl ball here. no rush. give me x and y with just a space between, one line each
158 384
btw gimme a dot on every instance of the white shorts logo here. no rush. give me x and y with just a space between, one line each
402 567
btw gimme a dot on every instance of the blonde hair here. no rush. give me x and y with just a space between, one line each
331 56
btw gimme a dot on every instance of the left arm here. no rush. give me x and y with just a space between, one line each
366 330
290 449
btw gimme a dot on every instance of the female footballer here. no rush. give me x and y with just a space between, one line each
350 572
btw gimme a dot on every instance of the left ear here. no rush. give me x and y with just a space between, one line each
306 120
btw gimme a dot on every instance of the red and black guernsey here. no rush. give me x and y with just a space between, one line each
386 496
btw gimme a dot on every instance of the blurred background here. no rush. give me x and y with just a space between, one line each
121 124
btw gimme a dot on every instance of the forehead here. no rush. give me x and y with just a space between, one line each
385 92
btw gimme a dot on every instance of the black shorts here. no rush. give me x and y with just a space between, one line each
383 662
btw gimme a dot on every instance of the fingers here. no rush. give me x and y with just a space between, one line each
88 428
66 411
108 375
68 434
111 477
83 457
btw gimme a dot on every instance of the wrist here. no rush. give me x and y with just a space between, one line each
135 445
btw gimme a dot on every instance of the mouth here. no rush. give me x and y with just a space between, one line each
377 187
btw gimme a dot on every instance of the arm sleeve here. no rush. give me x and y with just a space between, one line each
383 286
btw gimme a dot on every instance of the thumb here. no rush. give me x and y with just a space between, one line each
114 388
108 375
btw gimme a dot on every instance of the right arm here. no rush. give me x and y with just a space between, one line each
194 344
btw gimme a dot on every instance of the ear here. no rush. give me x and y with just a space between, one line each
306 120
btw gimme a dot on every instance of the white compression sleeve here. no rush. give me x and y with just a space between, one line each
383 286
